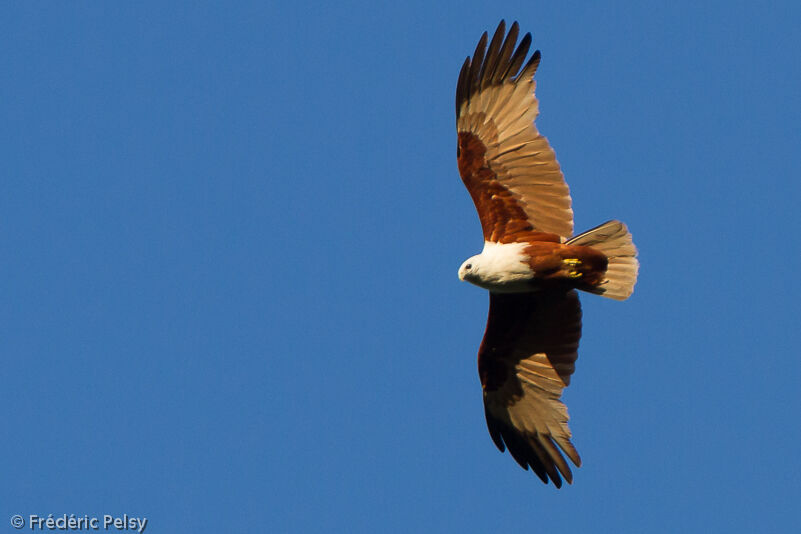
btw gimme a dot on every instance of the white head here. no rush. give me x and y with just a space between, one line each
469 271
499 267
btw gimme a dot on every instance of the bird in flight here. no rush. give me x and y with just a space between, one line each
531 263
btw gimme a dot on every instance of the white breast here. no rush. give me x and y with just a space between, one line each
503 268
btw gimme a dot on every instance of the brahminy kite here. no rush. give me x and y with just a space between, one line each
531 263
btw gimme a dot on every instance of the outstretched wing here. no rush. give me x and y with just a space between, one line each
508 167
525 360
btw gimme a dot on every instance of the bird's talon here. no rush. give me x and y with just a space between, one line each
572 263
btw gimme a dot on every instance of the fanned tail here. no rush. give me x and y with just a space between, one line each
614 240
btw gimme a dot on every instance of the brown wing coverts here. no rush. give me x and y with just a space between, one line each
526 358
508 167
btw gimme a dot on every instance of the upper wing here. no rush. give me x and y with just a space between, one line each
508 167
525 360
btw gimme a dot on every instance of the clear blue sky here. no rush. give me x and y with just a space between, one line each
229 239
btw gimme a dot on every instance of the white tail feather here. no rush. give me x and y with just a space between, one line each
614 240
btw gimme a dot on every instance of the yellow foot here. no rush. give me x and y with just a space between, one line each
572 264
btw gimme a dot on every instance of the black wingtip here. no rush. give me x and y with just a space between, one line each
531 67
491 58
462 85
497 64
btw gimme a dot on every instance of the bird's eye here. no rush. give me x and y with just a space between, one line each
468 266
